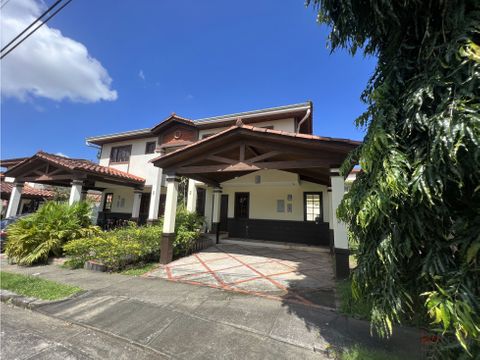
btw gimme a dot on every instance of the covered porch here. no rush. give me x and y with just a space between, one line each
264 184
79 175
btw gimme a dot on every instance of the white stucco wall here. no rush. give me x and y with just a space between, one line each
139 161
283 125
275 185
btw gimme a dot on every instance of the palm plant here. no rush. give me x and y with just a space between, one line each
34 238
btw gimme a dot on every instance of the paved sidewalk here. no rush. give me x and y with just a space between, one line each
30 335
282 274
192 322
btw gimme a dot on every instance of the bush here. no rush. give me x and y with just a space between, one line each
34 238
187 230
118 247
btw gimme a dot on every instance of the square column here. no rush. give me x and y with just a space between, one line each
208 207
137 198
328 212
155 196
14 201
75 192
217 197
341 252
166 250
191 196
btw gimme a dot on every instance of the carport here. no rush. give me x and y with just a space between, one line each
79 174
243 149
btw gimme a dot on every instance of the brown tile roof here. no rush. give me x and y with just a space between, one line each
28 191
83 165
239 125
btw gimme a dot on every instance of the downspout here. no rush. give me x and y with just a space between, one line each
99 148
307 114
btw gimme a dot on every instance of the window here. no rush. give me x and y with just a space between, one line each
150 147
242 201
204 136
120 154
312 206
281 206
107 205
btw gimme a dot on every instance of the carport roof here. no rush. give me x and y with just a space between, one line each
242 149
58 170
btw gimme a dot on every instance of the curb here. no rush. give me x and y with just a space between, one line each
30 303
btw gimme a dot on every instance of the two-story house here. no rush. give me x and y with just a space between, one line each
253 175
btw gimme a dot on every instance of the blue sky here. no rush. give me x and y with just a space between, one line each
197 59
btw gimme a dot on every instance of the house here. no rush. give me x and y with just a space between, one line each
253 175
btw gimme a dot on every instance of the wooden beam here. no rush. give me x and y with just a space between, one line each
221 159
242 166
263 156
242 152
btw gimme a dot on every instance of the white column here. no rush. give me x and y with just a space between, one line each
217 198
155 195
339 228
170 205
208 207
75 191
192 195
166 251
15 198
329 208
137 198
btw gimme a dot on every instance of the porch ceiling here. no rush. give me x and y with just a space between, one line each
45 168
243 149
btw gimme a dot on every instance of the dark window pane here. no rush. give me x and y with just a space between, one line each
150 147
120 153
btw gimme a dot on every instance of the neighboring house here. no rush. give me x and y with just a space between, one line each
258 174
32 197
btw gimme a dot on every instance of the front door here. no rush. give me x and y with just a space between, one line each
144 207
224 213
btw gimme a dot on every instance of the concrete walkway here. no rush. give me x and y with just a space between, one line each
191 322
304 277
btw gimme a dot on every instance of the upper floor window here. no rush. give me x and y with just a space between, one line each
150 147
204 136
120 154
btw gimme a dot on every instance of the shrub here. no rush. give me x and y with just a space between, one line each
187 230
34 238
118 247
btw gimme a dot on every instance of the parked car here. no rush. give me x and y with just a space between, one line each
4 223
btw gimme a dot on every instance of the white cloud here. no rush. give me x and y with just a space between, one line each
141 75
48 64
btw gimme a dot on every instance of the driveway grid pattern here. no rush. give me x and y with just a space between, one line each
286 274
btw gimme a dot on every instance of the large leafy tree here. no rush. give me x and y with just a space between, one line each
414 211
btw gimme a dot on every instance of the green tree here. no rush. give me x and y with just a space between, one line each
414 211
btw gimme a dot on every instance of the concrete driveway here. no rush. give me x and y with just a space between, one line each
304 277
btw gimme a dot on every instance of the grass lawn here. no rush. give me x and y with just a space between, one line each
359 309
139 269
35 287
361 353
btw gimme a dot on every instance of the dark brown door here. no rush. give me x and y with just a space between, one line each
242 205
224 213
144 207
